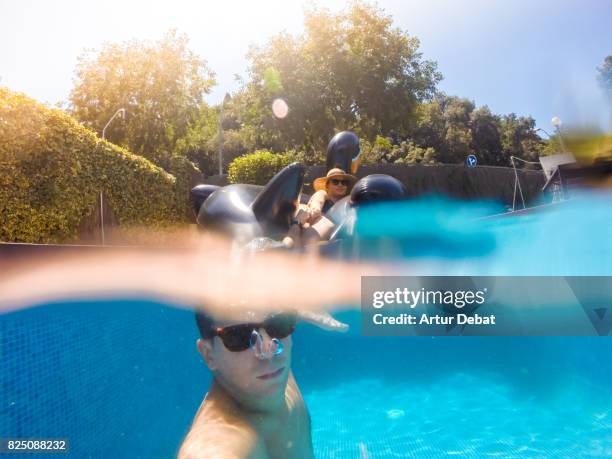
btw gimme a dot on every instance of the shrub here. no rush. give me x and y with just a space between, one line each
52 170
257 168
382 151
409 153
313 158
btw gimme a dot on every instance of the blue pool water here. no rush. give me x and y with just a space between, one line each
123 379
461 415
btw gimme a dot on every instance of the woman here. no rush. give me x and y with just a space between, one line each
329 190
313 226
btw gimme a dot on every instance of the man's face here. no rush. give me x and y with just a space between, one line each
244 373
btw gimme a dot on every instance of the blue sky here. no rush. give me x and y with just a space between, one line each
534 58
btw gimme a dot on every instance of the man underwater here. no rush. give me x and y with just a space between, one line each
254 408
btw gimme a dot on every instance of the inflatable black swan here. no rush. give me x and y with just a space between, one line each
245 212
249 212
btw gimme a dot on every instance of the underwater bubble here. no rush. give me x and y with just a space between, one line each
280 108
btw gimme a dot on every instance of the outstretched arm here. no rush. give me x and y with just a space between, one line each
323 320
316 203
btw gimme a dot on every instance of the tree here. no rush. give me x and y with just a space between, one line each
519 138
605 77
201 141
454 128
161 85
351 70
458 137
486 140
444 125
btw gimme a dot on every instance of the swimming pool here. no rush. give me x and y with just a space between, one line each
123 379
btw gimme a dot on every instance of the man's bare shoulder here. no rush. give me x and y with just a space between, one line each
217 433
211 440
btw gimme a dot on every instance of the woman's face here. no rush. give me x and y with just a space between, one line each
338 188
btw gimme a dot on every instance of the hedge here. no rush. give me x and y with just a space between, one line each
52 170
187 176
257 168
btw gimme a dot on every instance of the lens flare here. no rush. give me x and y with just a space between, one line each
280 108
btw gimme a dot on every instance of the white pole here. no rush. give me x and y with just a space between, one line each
221 139
556 122
121 114
102 217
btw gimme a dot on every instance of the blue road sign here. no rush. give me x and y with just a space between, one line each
471 161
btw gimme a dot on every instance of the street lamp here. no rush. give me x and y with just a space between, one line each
556 122
544 131
223 102
120 113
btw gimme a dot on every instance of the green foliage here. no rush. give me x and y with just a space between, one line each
377 152
519 138
486 141
444 125
161 86
257 168
384 143
52 170
272 80
455 128
311 158
605 77
187 176
201 142
407 152
252 126
350 70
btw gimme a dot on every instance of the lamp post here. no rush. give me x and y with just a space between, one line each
226 98
121 114
556 122
544 131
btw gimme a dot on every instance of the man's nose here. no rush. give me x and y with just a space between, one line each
269 346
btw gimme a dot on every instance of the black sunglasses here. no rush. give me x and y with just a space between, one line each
237 338
340 182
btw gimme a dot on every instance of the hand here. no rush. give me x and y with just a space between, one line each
323 320
302 216
315 214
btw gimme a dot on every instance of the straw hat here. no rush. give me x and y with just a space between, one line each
337 173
